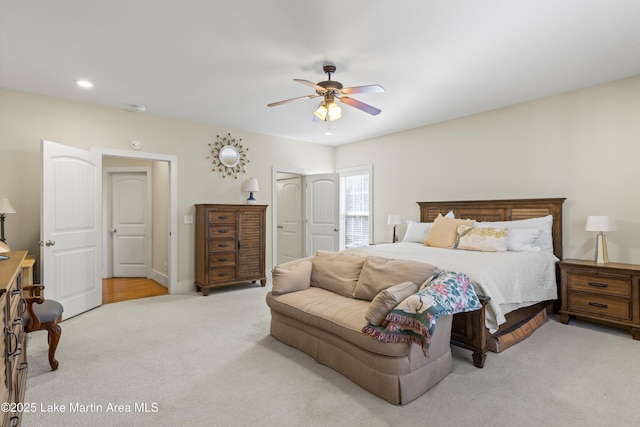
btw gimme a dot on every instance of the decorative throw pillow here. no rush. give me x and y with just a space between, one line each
336 272
443 232
482 239
417 231
379 273
291 277
387 300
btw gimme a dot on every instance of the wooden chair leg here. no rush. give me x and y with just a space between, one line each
54 331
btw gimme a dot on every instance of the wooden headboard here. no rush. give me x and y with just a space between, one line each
501 210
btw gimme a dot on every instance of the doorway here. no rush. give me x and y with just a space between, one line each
162 174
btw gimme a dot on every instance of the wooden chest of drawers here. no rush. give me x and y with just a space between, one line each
608 293
13 370
230 245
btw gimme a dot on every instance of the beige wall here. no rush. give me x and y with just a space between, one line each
582 145
25 119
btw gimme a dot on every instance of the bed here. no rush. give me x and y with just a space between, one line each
498 319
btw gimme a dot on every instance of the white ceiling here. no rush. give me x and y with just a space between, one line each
222 62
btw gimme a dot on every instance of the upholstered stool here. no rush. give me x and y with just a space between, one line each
44 314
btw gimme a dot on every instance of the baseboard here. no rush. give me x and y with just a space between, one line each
162 279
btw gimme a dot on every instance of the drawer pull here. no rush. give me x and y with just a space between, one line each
222 217
223 231
223 245
597 304
223 274
598 285
223 259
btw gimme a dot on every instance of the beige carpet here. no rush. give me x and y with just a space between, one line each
191 360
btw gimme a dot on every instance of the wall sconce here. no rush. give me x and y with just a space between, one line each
600 224
5 208
249 186
394 220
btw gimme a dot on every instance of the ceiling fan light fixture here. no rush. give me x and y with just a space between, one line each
321 111
334 111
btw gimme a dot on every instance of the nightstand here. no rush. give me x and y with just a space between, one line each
608 293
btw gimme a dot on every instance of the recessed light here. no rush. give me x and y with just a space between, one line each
86 84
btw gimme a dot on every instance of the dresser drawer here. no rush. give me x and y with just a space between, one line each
222 231
222 217
222 260
221 274
604 284
216 246
601 305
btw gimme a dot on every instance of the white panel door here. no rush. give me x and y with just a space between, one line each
130 216
323 212
289 222
71 220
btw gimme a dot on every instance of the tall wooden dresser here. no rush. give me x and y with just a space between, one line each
13 372
230 245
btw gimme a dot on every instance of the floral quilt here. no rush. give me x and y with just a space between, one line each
414 319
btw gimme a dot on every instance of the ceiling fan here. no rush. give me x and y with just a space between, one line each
330 90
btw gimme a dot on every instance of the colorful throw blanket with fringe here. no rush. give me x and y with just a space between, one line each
414 319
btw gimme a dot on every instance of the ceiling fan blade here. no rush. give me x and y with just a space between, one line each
360 105
362 89
273 104
311 84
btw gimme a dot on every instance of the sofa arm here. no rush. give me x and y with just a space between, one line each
291 276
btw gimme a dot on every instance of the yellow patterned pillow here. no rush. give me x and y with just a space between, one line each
482 239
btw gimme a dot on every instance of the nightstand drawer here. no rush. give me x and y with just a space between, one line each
596 304
600 283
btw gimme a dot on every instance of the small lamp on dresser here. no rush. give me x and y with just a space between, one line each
249 186
394 220
600 224
5 208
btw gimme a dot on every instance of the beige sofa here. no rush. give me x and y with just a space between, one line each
320 305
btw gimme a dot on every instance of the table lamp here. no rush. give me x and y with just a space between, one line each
249 186
5 208
600 224
394 220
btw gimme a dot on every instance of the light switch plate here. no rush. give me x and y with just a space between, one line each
188 219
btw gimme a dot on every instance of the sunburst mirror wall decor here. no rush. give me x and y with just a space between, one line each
228 156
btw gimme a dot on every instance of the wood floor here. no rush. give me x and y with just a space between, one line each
126 288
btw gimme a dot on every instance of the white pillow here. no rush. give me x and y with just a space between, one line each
544 224
523 239
417 231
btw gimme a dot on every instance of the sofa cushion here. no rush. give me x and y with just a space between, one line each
292 276
335 314
387 300
336 272
380 273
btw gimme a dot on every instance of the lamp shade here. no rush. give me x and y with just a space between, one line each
5 206
600 223
394 219
250 185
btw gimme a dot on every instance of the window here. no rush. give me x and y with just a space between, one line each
356 207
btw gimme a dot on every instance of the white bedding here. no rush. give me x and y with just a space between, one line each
511 279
